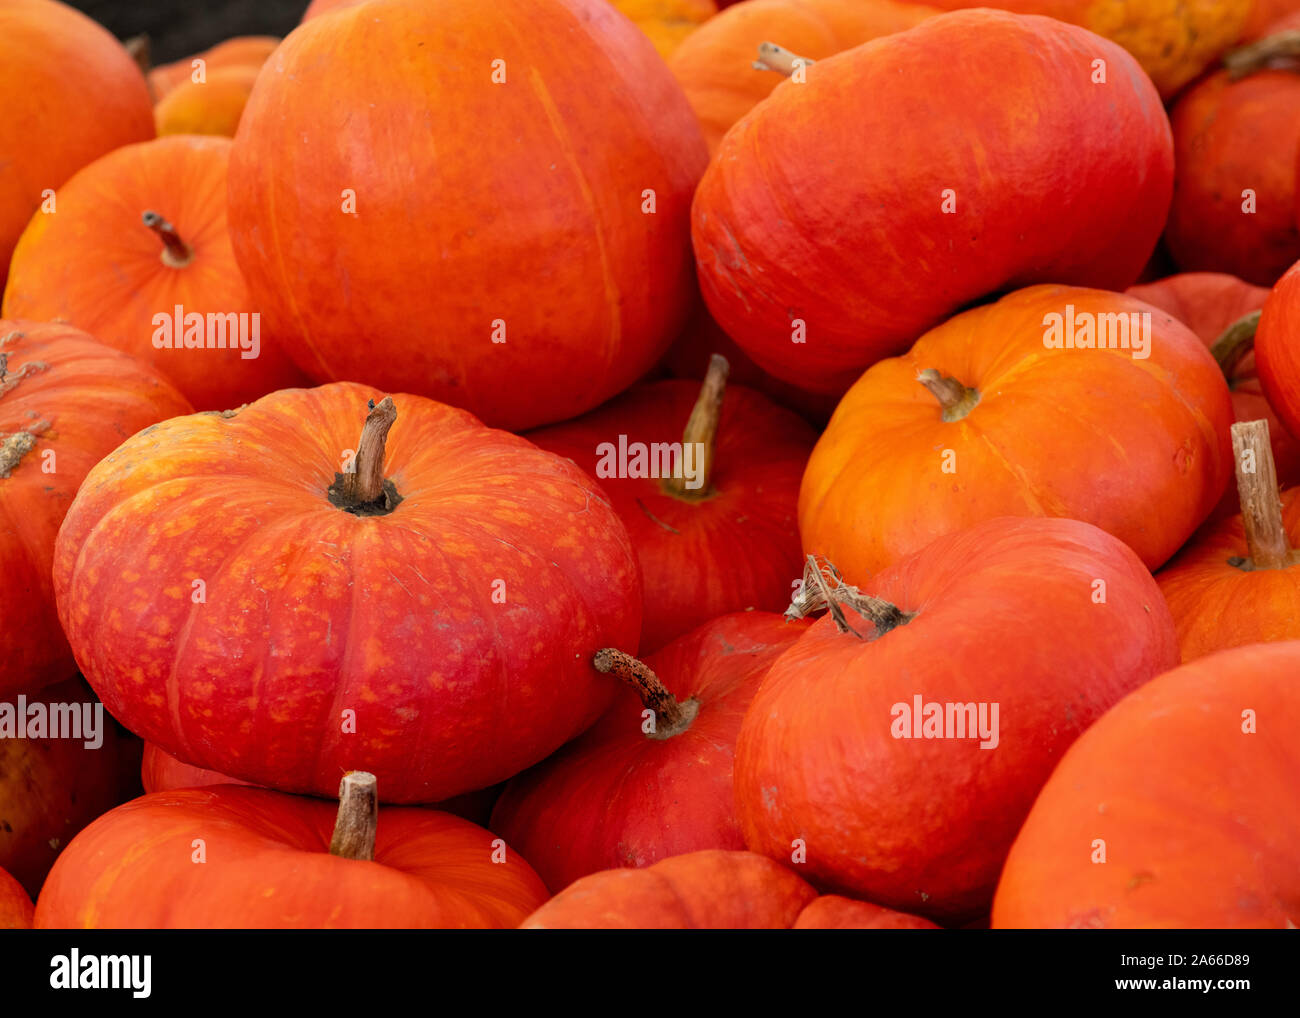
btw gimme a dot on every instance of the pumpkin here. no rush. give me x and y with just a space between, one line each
70 93
274 861
212 106
835 912
652 778
817 273
247 593
50 788
15 907
715 63
546 242
141 233
900 742
65 402
717 536
982 418
711 889
667 23
241 51
1265 14
1277 354
1189 791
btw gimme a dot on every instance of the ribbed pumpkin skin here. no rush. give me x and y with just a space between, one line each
616 797
268 867
310 610
1277 352
15 907
79 399
707 890
1041 441
97 265
834 912
1201 821
700 559
869 260
70 93
241 51
1005 614
527 217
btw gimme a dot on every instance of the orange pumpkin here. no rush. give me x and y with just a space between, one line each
70 93
834 912
667 23
241 51
15 907
212 106
140 233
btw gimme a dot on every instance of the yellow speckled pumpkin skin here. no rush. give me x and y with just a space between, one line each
667 23
458 628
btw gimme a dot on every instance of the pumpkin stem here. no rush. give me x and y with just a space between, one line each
671 716
358 819
824 588
772 57
1282 46
1261 508
141 50
955 399
364 491
1237 340
176 253
701 433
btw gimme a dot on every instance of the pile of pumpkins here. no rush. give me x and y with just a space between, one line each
573 463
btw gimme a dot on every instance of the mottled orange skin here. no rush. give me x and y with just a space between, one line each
51 788
311 610
701 558
212 106
715 63
1004 614
480 207
1049 178
80 400
242 51
268 867
667 23
15 907
1201 821
95 264
1137 447
1266 16
833 912
707 890
70 93
617 797
1277 349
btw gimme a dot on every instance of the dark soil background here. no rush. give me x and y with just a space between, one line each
181 28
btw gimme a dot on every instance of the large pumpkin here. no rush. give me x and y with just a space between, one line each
715 63
503 235
898 745
248 858
981 418
66 401
15 905
818 271
140 234
635 789
429 615
70 93
720 541
1277 353
1180 809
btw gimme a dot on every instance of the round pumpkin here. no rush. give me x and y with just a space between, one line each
718 537
1179 809
667 23
835 912
715 63
140 234
982 418
1277 354
711 889
241 51
900 742
70 93
248 858
818 272
244 591
66 401
212 106
15 906
652 778
542 263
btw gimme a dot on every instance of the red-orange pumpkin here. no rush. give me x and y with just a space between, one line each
504 235
1189 790
634 789
15 907
873 748
818 271
66 401
430 617
1277 351
139 234
834 912
234 857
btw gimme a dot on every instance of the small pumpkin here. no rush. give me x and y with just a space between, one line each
1191 787
1277 354
902 739
15 907
250 51
212 106
982 418
66 401
667 23
274 861
429 615
635 789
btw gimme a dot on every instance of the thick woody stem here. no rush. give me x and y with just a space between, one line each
176 253
701 433
358 819
772 57
366 484
1261 508
1281 47
955 399
823 588
671 716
